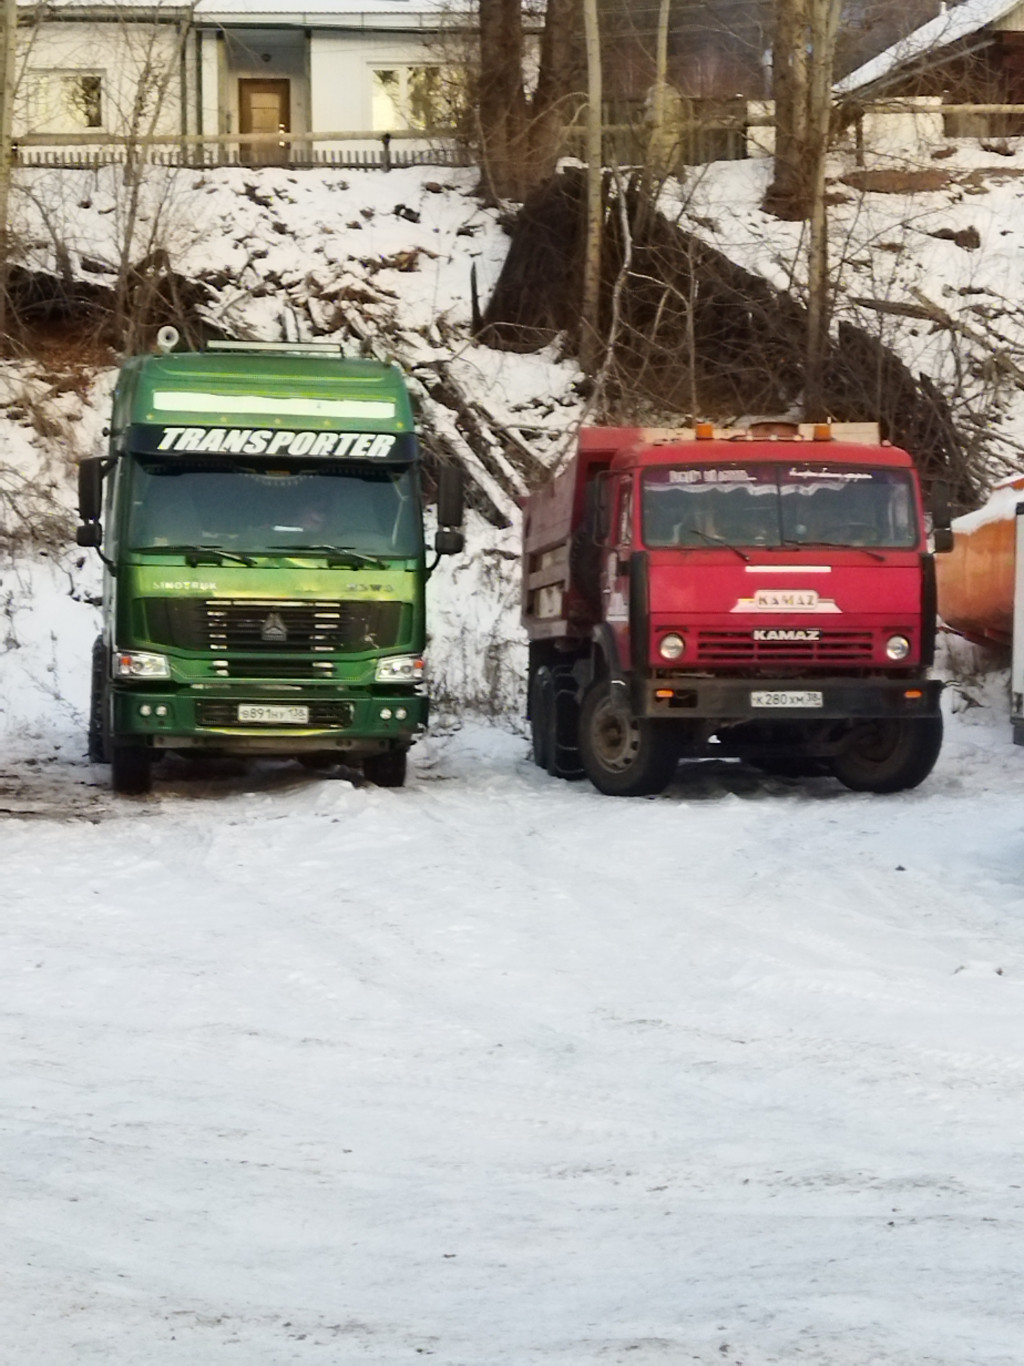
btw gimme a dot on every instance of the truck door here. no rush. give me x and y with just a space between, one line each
618 490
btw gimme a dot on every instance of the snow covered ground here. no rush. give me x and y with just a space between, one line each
491 1069
494 1069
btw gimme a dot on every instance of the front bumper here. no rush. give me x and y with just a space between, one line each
733 699
196 718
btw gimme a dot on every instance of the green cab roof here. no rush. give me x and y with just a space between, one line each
265 389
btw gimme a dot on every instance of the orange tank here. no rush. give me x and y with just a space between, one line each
975 580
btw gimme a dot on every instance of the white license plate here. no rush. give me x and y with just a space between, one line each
785 699
256 713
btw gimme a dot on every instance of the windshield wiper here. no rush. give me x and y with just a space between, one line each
336 554
835 545
715 540
197 554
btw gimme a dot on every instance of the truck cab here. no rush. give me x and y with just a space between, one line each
259 516
764 596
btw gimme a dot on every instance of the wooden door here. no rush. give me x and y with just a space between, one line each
265 107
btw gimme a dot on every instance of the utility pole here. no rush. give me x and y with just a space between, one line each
590 335
7 76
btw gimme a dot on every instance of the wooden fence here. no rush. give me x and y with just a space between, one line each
346 150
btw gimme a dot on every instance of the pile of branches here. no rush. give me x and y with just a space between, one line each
695 336
91 313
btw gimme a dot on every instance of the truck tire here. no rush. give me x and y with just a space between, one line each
131 770
564 758
890 756
555 722
387 769
542 714
98 748
623 755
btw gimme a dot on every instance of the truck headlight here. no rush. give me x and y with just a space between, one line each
671 647
897 647
399 669
140 664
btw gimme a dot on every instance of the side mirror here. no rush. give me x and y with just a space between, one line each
90 489
90 534
450 499
940 505
448 541
942 539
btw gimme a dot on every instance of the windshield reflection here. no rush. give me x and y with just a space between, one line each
779 505
244 510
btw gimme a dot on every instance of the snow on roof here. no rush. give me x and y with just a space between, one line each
390 13
297 11
946 28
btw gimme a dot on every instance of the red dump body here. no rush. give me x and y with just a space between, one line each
748 602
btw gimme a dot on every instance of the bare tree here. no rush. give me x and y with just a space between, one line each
521 133
7 89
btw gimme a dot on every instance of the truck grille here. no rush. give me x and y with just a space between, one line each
322 715
268 625
740 647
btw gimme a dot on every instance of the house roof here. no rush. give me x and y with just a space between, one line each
387 13
370 14
940 32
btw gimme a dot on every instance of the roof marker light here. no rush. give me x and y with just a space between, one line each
704 431
822 431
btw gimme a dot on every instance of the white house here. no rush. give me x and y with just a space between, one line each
291 68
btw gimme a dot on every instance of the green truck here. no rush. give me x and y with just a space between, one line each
259 518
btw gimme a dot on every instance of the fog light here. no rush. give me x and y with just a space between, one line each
401 714
161 710
671 647
385 713
897 647
145 709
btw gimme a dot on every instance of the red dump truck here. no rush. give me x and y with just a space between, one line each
766 595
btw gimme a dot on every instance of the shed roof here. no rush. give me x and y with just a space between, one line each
941 32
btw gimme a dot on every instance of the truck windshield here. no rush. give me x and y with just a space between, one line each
244 509
779 505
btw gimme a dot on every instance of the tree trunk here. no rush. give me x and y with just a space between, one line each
590 323
789 195
549 109
824 24
502 102
7 76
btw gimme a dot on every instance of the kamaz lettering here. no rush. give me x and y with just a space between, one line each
780 633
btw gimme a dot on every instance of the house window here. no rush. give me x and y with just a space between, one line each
63 101
411 97
82 98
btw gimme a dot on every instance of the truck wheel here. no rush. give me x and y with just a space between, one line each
564 756
890 756
131 770
386 769
623 755
98 747
555 722
542 713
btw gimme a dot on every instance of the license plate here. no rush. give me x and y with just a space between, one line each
785 699
258 714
